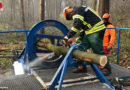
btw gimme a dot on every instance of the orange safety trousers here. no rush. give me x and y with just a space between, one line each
109 36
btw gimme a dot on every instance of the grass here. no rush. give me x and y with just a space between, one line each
8 42
16 41
11 41
5 63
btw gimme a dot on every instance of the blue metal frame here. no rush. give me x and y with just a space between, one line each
101 77
32 36
28 53
30 49
118 47
59 75
38 24
12 31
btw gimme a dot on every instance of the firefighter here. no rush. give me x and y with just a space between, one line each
109 36
90 25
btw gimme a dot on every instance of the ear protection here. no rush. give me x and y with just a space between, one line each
67 10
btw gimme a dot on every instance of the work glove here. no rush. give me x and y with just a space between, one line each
65 41
109 48
71 42
78 40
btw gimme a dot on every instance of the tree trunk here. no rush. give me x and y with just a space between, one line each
94 4
89 57
42 12
81 2
22 13
28 12
42 9
98 6
56 6
104 6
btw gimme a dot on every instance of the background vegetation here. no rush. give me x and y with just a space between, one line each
12 19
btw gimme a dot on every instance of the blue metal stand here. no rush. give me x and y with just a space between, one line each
28 54
101 77
59 75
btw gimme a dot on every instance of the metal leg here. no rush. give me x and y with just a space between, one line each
59 75
61 70
101 77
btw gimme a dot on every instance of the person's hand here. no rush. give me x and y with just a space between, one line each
71 42
109 48
65 41
78 40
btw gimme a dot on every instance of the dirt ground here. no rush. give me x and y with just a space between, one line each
6 72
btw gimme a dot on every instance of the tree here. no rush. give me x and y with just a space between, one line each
104 6
42 9
94 4
22 13
42 12
56 9
81 2
97 6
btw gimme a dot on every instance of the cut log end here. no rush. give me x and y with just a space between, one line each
103 60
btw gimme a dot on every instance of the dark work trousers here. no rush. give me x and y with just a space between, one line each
95 42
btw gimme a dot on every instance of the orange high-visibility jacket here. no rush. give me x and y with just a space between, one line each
109 36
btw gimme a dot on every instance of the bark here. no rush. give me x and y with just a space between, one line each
42 9
42 12
22 13
28 12
89 57
104 6
94 4
97 7
56 9
81 2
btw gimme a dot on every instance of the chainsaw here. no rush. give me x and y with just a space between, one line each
70 43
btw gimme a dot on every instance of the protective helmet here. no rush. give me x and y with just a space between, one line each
107 17
67 10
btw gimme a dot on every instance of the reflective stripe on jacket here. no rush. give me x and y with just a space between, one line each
109 36
91 22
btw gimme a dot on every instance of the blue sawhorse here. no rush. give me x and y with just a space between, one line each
59 75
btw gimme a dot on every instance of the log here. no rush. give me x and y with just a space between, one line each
81 55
